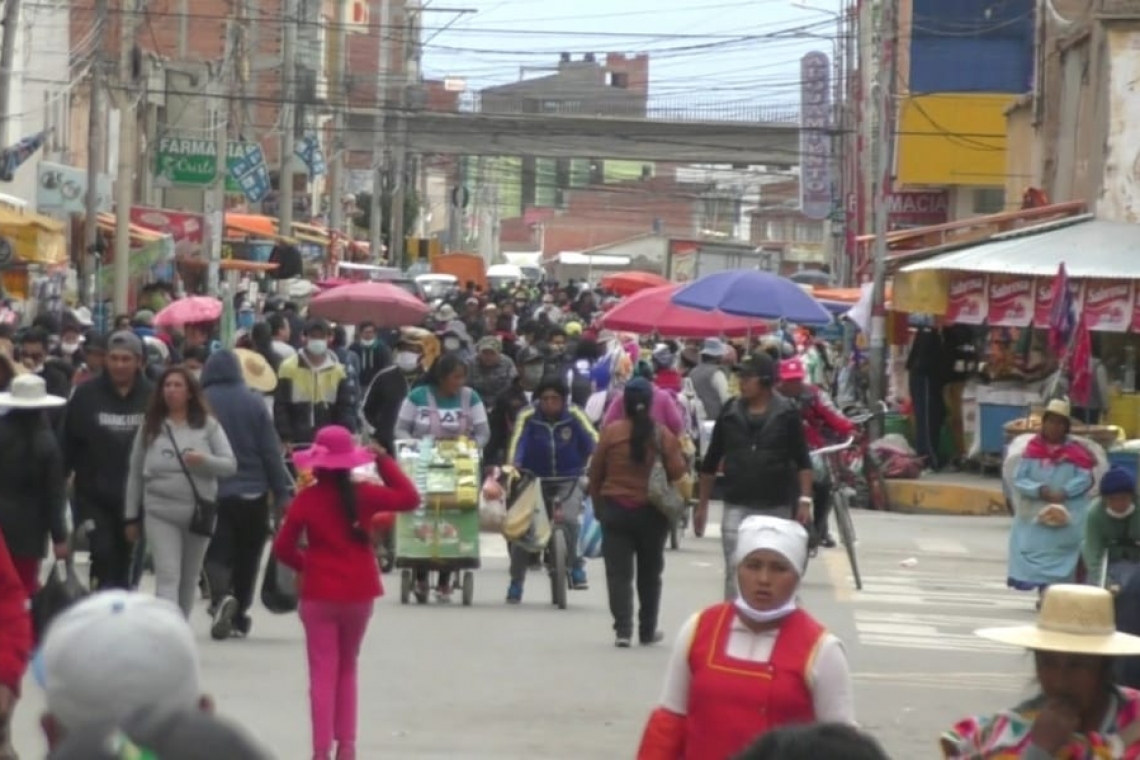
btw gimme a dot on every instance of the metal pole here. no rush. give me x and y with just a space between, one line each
216 194
96 138
884 101
340 96
11 21
380 144
288 119
128 150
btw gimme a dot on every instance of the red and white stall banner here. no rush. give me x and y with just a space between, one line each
1136 310
968 300
1011 301
1108 305
1043 300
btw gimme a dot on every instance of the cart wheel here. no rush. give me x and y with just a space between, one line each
559 574
421 594
468 588
405 586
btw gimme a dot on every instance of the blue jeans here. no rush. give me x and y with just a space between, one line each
734 514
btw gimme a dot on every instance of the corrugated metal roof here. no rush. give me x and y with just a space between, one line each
1094 248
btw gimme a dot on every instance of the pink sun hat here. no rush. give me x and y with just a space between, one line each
333 449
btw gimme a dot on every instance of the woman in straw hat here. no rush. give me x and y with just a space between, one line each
1080 713
1054 487
743 668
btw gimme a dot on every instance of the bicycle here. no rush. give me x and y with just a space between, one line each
830 456
557 493
862 471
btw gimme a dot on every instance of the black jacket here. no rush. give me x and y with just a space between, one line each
506 410
382 401
32 486
99 431
373 358
762 456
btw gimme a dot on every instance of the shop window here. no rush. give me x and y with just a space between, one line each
989 200
809 232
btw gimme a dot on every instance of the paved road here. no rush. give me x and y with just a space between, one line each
502 682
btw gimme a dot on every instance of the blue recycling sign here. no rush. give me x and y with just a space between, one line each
309 151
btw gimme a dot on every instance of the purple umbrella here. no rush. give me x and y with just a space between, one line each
749 293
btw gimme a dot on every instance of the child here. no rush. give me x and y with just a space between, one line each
339 576
1113 526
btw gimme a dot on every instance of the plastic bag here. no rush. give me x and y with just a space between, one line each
525 504
590 534
537 535
278 587
61 590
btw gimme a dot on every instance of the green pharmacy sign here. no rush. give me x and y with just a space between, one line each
190 161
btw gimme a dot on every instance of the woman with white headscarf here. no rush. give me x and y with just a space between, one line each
740 669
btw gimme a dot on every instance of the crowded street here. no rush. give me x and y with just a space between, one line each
493 681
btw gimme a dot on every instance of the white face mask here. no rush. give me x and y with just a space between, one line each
69 348
451 344
317 347
407 360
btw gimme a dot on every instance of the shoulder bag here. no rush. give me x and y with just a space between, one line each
662 494
205 516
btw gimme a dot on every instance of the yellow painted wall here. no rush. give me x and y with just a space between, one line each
953 139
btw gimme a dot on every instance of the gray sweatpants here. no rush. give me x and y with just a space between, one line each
734 514
178 556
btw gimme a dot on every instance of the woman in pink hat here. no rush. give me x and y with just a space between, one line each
340 578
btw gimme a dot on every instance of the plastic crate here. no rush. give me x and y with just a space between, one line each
991 424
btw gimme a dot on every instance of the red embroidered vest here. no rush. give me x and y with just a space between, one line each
731 701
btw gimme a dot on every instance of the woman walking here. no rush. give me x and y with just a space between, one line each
341 580
633 530
179 453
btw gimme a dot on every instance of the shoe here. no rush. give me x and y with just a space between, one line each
656 638
514 593
443 595
224 619
241 626
623 642
345 752
827 542
578 580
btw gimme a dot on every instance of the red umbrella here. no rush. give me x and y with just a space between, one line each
189 311
628 283
653 311
381 303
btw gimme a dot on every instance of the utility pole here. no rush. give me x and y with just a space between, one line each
380 145
884 102
216 193
96 137
340 105
128 151
396 229
11 21
288 119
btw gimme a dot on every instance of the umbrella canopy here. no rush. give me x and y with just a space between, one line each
381 303
750 293
653 311
189 311
628 283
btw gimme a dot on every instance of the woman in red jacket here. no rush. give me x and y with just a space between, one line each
339 576
15 644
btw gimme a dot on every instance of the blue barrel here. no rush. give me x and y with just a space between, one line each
1125 460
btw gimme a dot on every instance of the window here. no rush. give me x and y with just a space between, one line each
774 229
989 200
808 232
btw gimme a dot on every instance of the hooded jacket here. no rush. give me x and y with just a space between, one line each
553 449
250 430
309 398
99 431
15 623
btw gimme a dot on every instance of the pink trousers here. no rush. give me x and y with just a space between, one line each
333 635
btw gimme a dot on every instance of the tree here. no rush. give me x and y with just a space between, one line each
363 217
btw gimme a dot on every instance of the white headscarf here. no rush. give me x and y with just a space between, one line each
787 538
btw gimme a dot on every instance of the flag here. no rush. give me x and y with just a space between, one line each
1062 317
11 158
1080 365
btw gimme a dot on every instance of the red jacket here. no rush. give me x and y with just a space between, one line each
824 425
15 623
335 565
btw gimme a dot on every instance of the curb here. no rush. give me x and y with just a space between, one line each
941 498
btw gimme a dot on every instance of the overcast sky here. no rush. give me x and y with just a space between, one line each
722 51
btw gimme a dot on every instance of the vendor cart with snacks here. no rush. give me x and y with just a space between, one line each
443 533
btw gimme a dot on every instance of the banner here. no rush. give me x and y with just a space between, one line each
815 137
1108 305
185 228
1011 302
1043 300
968 300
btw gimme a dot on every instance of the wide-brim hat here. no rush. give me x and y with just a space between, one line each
1060 407
28 391
256 371
1073 619
333 449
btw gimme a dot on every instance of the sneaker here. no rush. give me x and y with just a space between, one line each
241 626
514 593
827 542
224 619
656 638
443 595
623 642
578 580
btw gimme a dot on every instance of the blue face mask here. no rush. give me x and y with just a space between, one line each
245 320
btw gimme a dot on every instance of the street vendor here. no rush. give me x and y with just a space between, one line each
1113 527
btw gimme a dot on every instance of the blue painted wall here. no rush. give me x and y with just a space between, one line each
972 46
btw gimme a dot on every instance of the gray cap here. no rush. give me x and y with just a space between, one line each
125 340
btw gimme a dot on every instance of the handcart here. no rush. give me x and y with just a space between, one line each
442 535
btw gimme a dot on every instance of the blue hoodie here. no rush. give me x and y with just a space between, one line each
250 429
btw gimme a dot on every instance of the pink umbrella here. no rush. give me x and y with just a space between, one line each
188 311
653 311
381 303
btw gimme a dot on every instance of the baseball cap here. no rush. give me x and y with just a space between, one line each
116 653
792 369
758 364
125 340
490 343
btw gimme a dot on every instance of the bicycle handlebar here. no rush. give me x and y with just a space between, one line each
836 448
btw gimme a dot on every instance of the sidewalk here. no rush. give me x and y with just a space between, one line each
949 493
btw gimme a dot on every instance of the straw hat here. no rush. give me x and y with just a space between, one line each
29 392
1059 407
1074 619
255 370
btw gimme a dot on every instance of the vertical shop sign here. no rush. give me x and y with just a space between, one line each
815 137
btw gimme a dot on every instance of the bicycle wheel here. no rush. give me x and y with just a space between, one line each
876 483
847 534
559 575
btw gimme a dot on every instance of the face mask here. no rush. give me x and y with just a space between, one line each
317 347
196 374
407 360
451 344
68 348
531 375
521 341
245 320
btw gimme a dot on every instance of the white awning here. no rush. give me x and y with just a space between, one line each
1089 249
